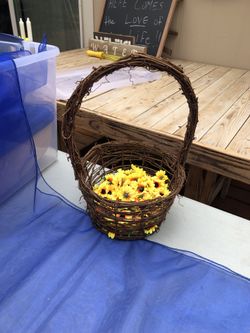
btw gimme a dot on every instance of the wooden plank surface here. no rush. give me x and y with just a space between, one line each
240 144
221 134
217 161
76 59
209 115
156 112
177 119
148 95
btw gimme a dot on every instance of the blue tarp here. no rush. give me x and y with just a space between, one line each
58 274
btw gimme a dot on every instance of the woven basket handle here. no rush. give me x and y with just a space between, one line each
135 60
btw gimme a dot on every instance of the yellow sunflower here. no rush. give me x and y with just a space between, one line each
163 192
139 171
115 194
128 172
111 235
150 230
161 174
158 182
101 189
126 193
109 178
133 184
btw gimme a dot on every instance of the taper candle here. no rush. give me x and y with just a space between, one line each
29 29
21 27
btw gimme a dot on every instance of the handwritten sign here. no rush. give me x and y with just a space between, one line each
147 20
122 39
116 49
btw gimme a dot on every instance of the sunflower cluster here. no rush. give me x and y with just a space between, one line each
133 184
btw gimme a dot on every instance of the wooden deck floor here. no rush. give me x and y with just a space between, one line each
224 104
222 139
224 108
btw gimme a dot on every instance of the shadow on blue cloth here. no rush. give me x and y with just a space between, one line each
58 274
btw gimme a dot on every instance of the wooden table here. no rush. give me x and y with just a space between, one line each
156 112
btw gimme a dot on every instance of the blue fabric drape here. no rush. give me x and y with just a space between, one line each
11 47
58 274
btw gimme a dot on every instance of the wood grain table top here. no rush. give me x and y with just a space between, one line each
157 112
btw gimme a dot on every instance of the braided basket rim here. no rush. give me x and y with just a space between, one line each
128 203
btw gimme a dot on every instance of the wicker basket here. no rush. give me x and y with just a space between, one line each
128 220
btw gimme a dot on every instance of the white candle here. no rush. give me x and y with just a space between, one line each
21 27
29 29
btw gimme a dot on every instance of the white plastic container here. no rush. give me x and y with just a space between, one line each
37 79
9 47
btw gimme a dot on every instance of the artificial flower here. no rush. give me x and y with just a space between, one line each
126 193
133 184
111 235
150 230
161 174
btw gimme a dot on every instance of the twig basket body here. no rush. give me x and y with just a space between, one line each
128 220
